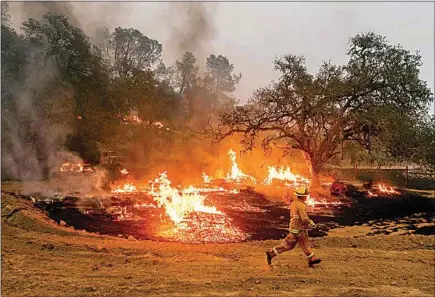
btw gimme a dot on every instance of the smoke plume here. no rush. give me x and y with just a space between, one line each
193 29
38 118
92 17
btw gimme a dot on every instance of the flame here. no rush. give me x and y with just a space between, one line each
144 205
124 171
206 178
78 168
326 184
178 203
132 119
121 213
158 125
75 167
236 174
206 227
371 194
135 120
386 189
312 202
194 221
285 175
126 188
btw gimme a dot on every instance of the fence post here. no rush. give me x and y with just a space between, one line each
407 174
356 169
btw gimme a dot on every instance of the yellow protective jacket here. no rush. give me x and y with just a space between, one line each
299 220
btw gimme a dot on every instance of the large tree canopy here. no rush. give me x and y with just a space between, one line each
186 73
132 51
220 80
317 113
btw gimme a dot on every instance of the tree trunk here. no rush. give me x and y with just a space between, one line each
307 159
314 169
315 181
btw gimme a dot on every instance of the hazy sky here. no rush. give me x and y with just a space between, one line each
251 35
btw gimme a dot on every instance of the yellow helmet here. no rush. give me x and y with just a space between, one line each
301 192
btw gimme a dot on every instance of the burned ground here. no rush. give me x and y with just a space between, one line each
248 211
43 258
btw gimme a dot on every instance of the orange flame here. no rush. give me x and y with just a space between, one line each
236 174
74 167
206 178
158 125
371 194
284 175
178 203
126 188
312 202
386 189
124 171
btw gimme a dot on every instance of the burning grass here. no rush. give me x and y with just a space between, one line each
213 211
78 167
382 190
192 219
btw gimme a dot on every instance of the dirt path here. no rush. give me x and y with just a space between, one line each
41 258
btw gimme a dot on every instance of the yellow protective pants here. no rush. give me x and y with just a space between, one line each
290 242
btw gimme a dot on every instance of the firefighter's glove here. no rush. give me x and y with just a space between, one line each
312 224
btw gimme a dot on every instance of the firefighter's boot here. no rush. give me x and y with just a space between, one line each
313 260
270 254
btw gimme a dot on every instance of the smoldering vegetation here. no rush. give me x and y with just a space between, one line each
37 105
68 93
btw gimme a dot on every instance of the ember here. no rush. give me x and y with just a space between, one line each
121 213
200 227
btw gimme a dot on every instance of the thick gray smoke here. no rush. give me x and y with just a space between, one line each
37 121
193 29
92 17
28 156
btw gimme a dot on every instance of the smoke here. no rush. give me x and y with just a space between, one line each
193 29
37 118
92 17
34 128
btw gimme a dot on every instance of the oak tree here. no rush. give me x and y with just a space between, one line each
317 113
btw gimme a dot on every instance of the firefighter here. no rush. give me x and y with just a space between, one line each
299 225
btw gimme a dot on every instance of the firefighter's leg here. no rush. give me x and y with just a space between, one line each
305 245
287 244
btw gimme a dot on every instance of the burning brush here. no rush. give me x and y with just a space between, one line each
193 220
75 167
382 190
286 176
201 227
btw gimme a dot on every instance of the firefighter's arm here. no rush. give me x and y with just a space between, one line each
302 209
